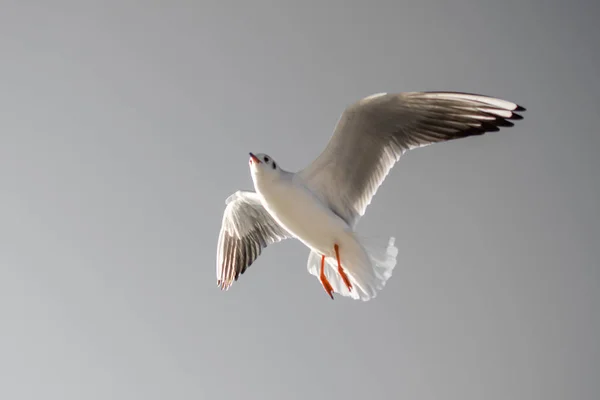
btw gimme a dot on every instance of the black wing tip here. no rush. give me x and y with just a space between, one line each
491 127
515 117
486 127
504 123
520 109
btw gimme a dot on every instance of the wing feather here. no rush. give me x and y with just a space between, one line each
247 228
373 133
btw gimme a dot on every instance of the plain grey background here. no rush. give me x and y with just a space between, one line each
124 126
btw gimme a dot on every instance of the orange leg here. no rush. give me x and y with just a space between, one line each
340 269
323 279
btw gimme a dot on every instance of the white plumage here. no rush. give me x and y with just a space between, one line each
321 204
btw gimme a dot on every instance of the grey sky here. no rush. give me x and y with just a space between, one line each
124 127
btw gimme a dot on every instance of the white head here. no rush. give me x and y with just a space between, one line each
263 167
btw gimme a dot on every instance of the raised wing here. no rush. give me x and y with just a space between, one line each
247 228
374 132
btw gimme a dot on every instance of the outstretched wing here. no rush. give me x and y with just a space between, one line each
374 132
247 228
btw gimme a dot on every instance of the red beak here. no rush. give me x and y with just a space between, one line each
254 158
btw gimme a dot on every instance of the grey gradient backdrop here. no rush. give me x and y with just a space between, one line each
124 126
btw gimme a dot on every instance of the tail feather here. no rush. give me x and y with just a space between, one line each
367 278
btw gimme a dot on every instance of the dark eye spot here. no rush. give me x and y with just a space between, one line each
274 165
266 159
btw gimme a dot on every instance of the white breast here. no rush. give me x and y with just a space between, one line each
299 211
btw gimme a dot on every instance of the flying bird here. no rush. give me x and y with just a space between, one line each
321 204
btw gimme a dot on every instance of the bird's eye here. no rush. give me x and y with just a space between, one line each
274 165
266 159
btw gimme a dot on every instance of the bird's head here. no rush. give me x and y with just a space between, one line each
263 167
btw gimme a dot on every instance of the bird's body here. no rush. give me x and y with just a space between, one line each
321 204
300 212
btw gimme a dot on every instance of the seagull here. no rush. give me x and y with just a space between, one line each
321 204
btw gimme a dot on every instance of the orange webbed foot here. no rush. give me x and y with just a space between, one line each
326 285
340 269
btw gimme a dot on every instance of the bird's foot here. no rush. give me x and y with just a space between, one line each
340 269
326 285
